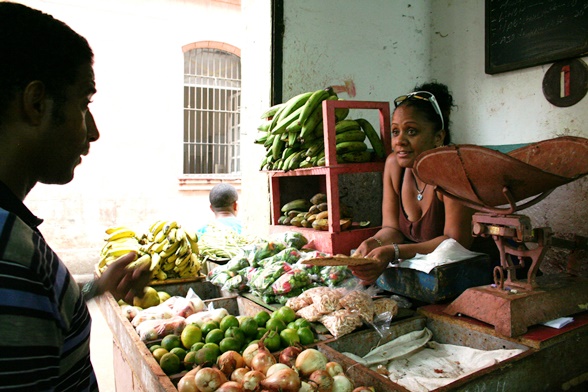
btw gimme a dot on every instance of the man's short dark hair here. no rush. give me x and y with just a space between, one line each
36 46
223 195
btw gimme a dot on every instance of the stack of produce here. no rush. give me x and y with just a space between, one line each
293 134
274 269
313 213
171 251
258 370
220 243
341 311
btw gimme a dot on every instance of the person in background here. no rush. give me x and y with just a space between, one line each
46 85
416 218
223 203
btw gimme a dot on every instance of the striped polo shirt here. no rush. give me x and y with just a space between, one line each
44 321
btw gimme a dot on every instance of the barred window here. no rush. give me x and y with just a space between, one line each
212 99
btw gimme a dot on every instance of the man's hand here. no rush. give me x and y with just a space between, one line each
124 283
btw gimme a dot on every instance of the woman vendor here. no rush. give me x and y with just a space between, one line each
416 218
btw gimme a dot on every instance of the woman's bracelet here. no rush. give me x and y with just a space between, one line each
396 252
377 240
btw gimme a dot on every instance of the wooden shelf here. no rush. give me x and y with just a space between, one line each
334 240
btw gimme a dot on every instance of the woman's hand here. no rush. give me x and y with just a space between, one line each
122 282
369 273
366 247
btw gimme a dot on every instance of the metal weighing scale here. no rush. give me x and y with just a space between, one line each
493 183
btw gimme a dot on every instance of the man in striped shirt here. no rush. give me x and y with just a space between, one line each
46 85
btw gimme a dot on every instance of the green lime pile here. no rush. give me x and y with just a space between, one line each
202 344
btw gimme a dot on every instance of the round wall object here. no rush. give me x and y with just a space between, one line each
566 82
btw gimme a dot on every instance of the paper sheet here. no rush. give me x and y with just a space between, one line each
449 251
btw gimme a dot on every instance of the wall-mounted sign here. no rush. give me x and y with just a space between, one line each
566 82
525 33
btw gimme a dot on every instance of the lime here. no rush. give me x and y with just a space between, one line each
301 322
228 344
206 356
237 333
208 326
190 335
170 363
260 332
214 347
154 347
158 353
180 352
215 336
275 324
286 314
253 341
249 326
171 341
197 346
228 321
305 335
289 337
189 360
272 341
261 318
292 325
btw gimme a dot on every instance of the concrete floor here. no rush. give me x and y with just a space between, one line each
101 349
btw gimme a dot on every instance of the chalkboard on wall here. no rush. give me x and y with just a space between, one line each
525 33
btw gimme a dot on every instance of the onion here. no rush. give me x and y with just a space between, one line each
306 387
263 359
285 380
364 389
289 354
230 386
334 368
238 374
187 384
322 379
275 367
209 379
342 384
252 381
310 360
228 361
249 352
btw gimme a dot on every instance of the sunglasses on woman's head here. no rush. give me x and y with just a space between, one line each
425 96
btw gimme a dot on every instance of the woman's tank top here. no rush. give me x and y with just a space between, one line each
431 224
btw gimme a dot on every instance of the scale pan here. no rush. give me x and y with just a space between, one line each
480 176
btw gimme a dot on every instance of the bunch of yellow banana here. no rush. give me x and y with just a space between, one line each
171 251
292 133
120 240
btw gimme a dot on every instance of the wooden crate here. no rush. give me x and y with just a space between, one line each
135 369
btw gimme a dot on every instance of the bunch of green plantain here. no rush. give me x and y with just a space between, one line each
293 134
170 251
313 213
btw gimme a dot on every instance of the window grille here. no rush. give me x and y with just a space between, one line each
212 100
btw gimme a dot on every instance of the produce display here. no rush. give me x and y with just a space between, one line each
293 134
171 251
274 270
257 369
314 213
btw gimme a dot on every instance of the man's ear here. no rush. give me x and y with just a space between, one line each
235 207
35 102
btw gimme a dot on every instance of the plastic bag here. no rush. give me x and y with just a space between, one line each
292 238
159 312
294 279
157 329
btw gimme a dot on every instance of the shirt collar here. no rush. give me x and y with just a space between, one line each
11 203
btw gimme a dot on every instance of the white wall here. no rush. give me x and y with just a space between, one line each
131 175
385 47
